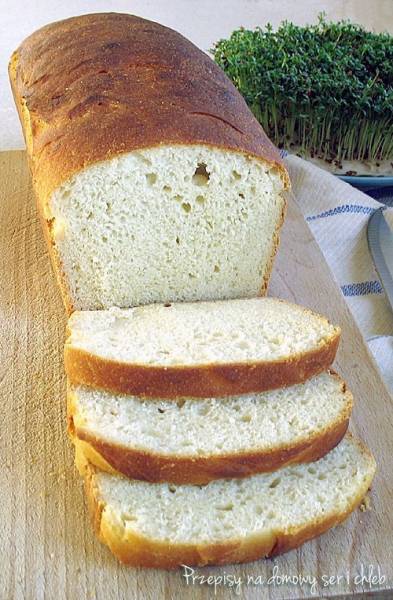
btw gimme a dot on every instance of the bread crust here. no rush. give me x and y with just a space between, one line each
143 83
136 550
275 247
160 467
173 382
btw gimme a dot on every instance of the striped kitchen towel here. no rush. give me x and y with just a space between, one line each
337 215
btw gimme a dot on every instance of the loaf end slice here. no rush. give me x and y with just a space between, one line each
199 440
228 521
199 349
177 195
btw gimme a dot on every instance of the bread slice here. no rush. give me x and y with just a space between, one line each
199 349
154 180
197 440
228 521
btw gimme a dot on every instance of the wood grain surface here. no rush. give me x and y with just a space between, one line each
48 550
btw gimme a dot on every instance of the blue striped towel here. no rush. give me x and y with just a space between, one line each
337 215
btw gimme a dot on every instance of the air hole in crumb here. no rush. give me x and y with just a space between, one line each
178 198
161 410
241 195
322 476
108 207
311 470
128 517
167 188
144 159
254 189
151 178
216 269
246 418
192 276
275 482
186 206
242 345
104 238
177 240
167 304
201 176
180 403
172 489
200 199
236 175
228 506
90 215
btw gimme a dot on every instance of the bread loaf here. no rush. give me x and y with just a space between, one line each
198 440
154 181
227 521
199 349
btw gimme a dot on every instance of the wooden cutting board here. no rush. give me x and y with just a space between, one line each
47 545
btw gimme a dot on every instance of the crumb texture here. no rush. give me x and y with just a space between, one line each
284 501
259 329
164 224
213 426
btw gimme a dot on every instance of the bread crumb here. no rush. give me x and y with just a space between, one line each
366 504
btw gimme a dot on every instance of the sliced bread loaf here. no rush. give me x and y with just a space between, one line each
226 521
200 349
154 180
197 440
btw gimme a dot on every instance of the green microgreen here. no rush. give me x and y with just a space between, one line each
326 88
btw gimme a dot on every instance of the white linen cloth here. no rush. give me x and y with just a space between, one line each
338 215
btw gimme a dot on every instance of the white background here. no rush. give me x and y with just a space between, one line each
202 21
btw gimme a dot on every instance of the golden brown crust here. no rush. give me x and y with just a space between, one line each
46 221
144 84
204 381
154 467
135 550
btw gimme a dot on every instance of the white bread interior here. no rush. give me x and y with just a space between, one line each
179 222
200 333
213 427
228 520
